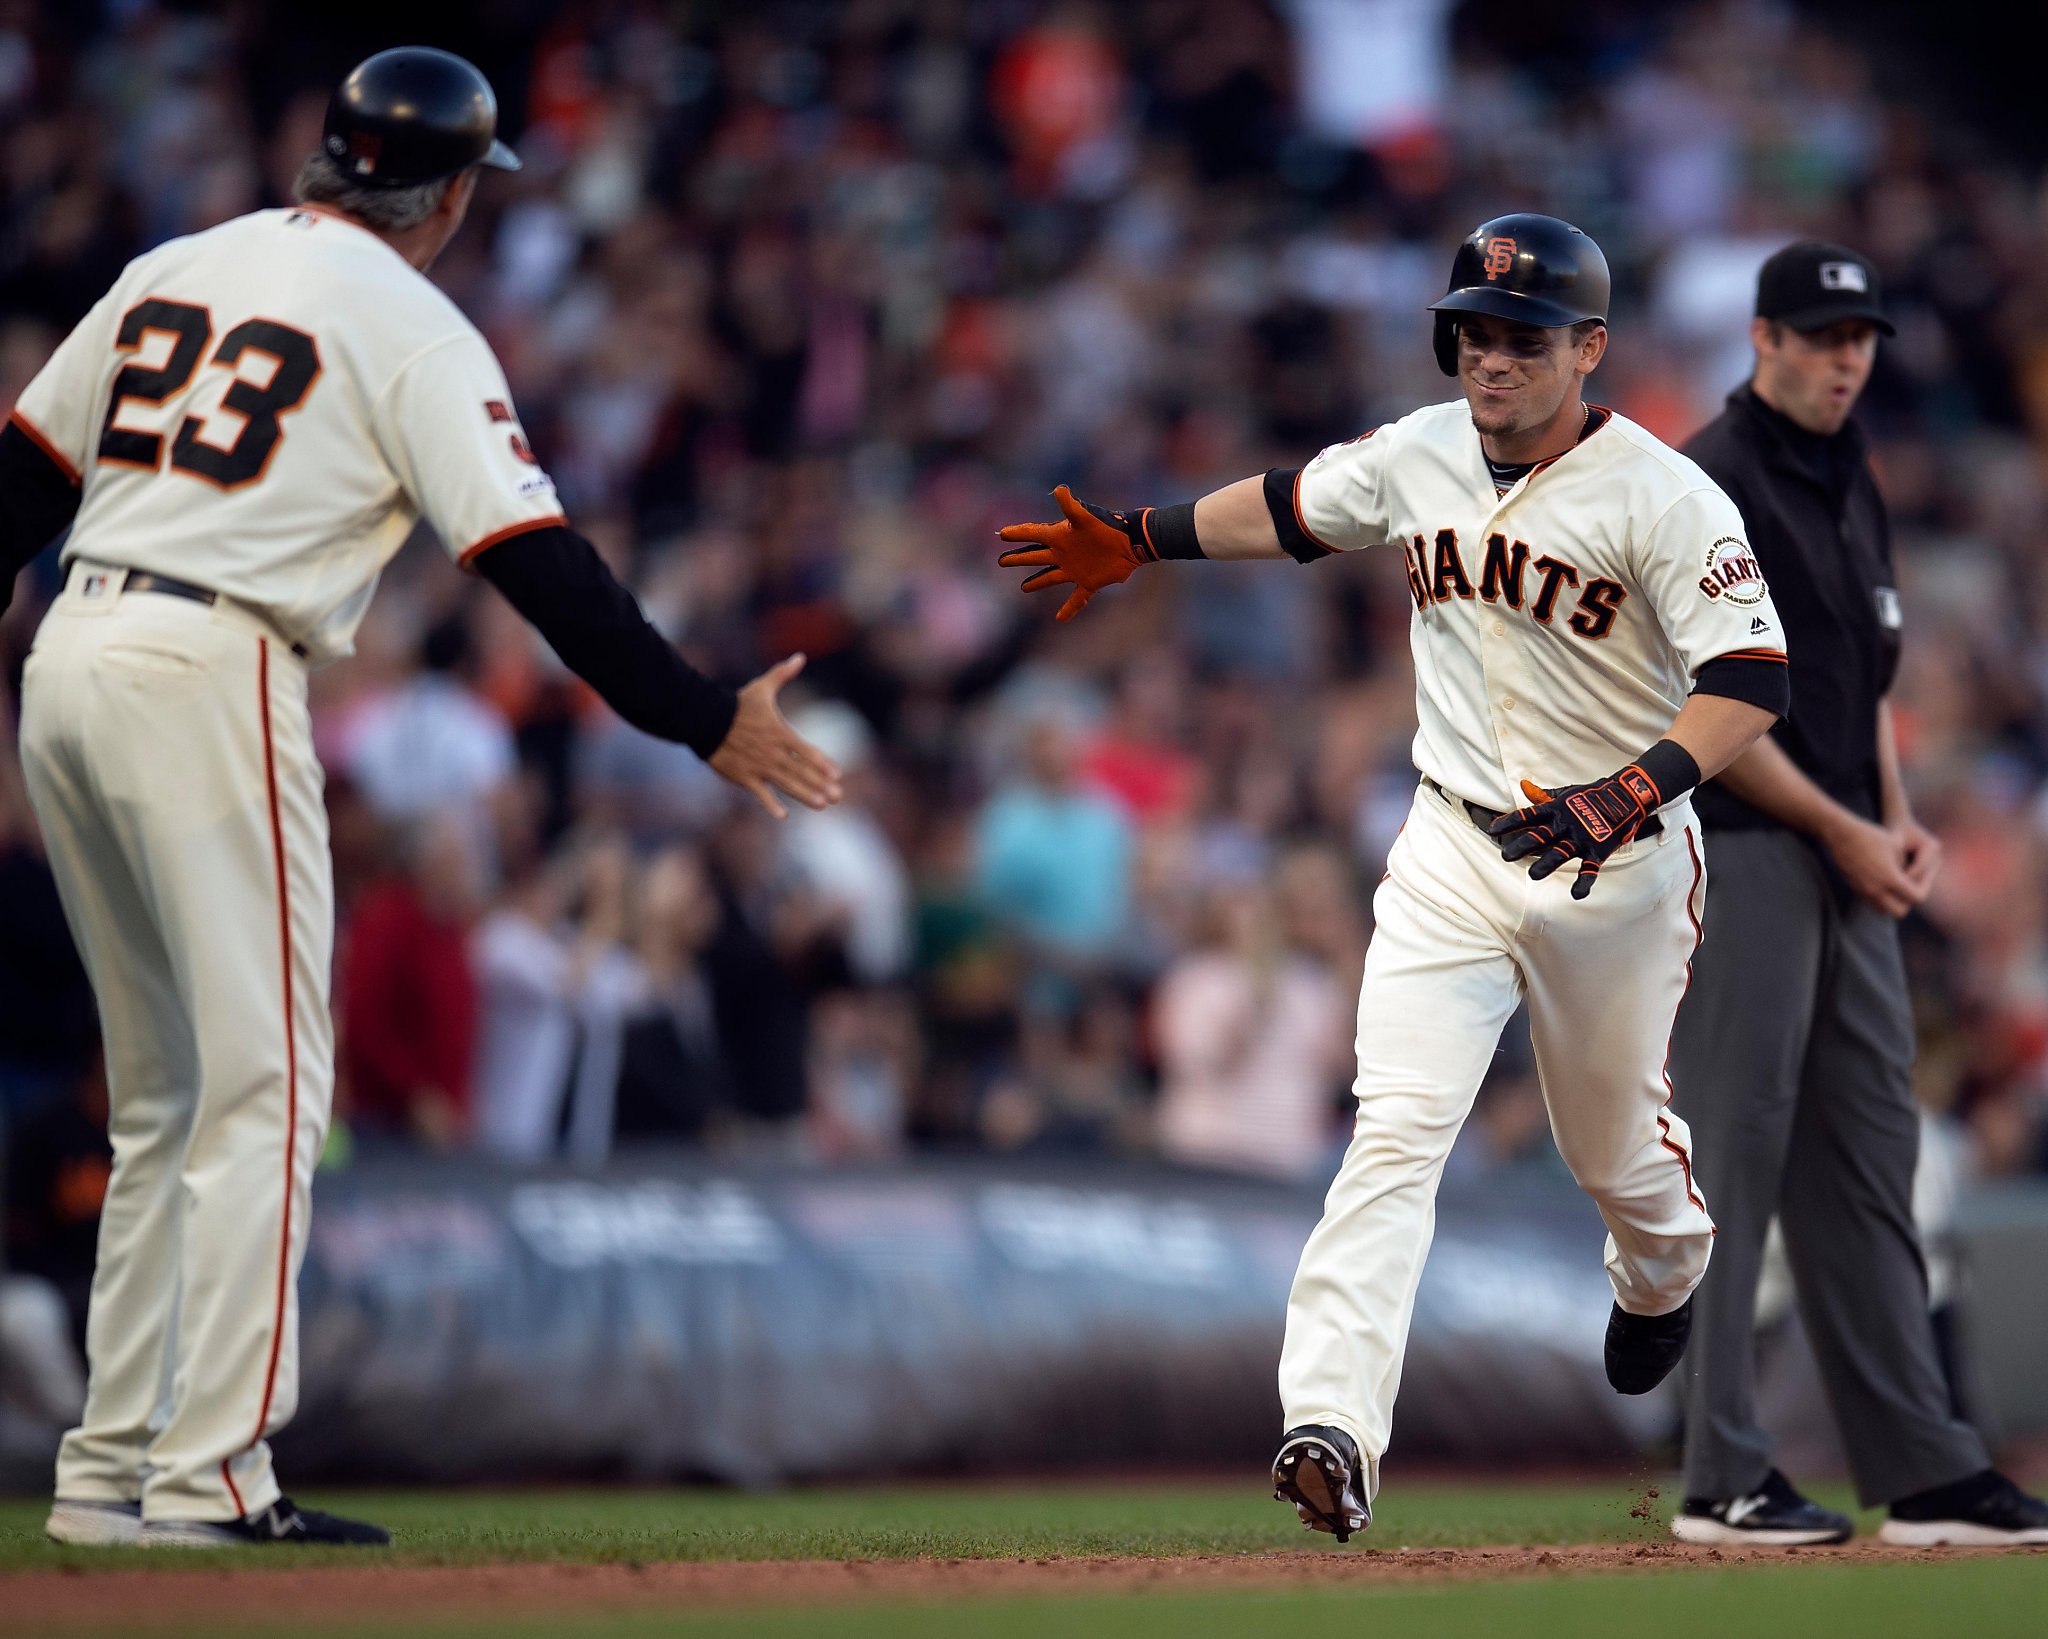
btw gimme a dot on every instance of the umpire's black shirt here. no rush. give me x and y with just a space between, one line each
1818 528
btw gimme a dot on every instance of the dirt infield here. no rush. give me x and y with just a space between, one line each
59 1601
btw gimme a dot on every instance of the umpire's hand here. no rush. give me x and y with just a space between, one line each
762 753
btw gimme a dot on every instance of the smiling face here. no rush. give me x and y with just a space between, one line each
1813 377
1525 384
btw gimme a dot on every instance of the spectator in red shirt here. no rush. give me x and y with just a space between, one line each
408 996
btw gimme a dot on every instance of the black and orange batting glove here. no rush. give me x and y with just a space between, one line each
1091 549
1589 822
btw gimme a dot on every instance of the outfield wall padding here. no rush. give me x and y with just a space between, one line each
677 1318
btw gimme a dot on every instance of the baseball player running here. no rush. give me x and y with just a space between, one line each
1591 638
239 435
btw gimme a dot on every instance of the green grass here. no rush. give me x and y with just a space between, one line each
947 1521
1979 1599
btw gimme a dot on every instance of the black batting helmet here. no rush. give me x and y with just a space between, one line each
413 115
1533 269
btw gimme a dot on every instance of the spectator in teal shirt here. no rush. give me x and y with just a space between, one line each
1052 860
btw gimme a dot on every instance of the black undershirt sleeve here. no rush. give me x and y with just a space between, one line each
554 577
1295 541
1766 684
38 500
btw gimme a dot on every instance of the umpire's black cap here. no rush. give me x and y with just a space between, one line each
1532 269
413 115
1812 284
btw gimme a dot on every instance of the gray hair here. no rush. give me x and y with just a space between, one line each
322 182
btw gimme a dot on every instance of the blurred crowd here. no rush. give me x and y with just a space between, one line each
801 302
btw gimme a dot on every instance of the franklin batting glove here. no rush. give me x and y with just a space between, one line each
1582 822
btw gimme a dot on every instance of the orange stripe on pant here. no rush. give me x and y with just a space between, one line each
291 1130
1699 934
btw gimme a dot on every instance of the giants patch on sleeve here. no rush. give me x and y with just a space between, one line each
1733 575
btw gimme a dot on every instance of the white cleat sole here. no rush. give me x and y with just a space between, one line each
1956 1533
94 1524
1711 1533
189 1533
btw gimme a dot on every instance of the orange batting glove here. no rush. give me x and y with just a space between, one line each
1092 549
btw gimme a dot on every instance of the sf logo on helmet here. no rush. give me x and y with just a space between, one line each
1500 257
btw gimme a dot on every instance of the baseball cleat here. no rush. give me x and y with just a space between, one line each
1642 1349
281 1522
1774 1515
1984 1511
94 1524
1319 1472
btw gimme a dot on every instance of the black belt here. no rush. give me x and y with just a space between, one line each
144 580
1483 817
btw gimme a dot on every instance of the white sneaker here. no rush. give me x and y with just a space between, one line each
1984 1511
94 1524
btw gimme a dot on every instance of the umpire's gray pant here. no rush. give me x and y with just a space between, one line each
1792 1062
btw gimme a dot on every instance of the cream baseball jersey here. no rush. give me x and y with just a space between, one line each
1557 626
266 409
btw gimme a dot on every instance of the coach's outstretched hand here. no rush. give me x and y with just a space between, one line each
1582 822
1092 549
762 753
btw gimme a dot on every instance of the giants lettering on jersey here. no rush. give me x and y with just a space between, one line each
1437 574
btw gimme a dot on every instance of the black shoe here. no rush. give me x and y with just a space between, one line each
1319 1472
1772 1516
1642 1349
1984 1511
280 1522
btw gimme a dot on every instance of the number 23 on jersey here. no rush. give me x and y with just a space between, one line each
296 366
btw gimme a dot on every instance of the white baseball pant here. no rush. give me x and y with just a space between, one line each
169 758
1460 937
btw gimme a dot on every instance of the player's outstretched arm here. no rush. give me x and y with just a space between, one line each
554 577
1092 547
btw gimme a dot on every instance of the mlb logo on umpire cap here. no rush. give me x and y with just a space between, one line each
1843 276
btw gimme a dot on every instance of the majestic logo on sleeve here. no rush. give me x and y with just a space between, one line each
1500 257
1732 574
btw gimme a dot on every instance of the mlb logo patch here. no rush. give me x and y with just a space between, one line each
1844 276
98 584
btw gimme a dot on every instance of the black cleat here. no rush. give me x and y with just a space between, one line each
1984 1511
281 1522
1319 1472
1774 1515
1642 1349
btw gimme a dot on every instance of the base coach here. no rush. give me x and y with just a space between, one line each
1793 1053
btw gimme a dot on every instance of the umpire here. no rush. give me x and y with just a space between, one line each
1792 1057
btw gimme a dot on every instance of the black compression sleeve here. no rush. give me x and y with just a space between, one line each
1170 531
1672 769
554 577
1295 541
1766 684
38 500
